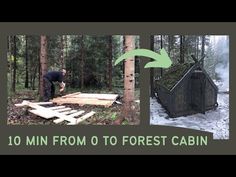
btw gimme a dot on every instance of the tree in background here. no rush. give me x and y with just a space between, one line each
62 57
109 68
10 61
26 64
203 48
14 66
33 44
129 81
182 48
197 47
152 69
43 62
82 62
210 61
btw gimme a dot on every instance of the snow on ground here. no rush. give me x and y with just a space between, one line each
215 121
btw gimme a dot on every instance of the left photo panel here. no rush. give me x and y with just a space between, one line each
72 80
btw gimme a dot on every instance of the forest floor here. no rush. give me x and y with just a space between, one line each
214 121
103 116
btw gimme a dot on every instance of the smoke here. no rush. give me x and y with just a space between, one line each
223 74
222 66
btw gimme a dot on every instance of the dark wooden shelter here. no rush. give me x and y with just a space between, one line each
186 89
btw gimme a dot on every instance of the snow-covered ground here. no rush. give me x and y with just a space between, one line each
215 121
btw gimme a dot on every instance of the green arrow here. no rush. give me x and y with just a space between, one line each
161 60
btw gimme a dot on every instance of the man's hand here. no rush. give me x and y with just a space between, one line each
62 85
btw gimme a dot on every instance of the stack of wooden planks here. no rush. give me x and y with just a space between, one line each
86 99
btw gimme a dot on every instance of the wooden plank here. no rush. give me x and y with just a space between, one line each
62 110
76 114
99 96
56 107
109 104
69 112
64 117
80 119
82 101
45 112
27 103
68 117
42 103
86 99
84 117
92 96
42 114
72 94
24 103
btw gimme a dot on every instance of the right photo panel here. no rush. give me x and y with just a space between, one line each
193 92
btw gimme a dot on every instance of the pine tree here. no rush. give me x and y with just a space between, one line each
43 62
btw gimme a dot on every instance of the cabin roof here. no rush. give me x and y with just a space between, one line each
174 74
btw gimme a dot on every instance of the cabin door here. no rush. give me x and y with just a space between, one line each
198 84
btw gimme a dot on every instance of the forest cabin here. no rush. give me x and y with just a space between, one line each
186 89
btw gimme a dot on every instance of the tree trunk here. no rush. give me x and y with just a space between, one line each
62 53
26 63
10 58
34 76
82 62
161 48
43 62
203 49
123 64
197 47
110 63
39 71
129 82
151 69
66 46
182 39
14 67
184 48
169 44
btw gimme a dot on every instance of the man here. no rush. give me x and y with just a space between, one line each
48 79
